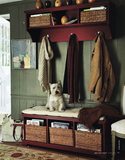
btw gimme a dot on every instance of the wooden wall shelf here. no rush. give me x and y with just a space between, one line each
60 32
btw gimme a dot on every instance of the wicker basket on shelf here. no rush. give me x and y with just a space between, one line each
61 136
36 133
88 140
93 16
39 21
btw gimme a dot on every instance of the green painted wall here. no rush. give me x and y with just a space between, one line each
25 89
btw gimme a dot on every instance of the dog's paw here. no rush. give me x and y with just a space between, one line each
47 107
51 109
62 110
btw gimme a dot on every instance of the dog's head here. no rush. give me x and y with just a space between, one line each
55 89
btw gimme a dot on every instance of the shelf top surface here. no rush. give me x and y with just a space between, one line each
70 7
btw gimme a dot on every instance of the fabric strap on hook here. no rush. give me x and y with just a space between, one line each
15 125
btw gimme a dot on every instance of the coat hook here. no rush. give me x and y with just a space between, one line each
101 33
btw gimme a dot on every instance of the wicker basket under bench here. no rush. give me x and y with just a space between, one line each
88 140
61 136
35 133
67 139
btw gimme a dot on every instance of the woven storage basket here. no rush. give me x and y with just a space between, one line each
87 140
39 21
93 16
61 136
36 133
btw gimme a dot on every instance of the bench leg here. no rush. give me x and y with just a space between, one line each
113 145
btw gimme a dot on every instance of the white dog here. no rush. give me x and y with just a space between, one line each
55 99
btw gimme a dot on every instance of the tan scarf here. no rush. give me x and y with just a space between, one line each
45 55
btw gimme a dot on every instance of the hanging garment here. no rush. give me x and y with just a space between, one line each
90 116
102 80
44 65
71 76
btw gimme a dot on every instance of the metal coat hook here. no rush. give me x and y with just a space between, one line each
98 32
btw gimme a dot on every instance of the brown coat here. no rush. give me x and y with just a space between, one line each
102 78
71 76
90 116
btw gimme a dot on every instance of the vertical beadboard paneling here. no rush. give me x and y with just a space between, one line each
22 87
23 32
121 69
59 64
29 103
15 82
38 89
41 102
121 56
14 19
27 6
15 110
23 105
87 51
29 85
30 82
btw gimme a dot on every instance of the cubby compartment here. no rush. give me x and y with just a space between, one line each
61 132
88 140
93 16
35 133
61 136
68 16
40 20
35 129
60 124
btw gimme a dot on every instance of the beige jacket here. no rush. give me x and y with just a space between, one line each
44 68
102 78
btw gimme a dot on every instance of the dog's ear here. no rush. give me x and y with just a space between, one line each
49 88
49 84
59 82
